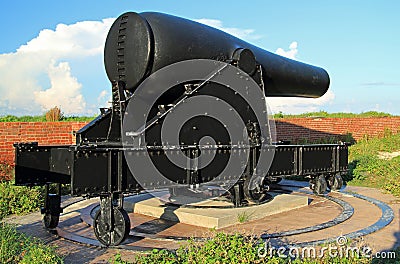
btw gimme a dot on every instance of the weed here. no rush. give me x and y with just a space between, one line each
243 217
54 114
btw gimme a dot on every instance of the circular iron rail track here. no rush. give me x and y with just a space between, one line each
386 218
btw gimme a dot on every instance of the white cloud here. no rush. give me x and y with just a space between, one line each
246 34
25 74
65 91
294 105
104 99
83 38
102 96
38 75
291 53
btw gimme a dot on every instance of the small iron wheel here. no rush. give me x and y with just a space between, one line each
255 195
50 221
335 182
320 185
112 235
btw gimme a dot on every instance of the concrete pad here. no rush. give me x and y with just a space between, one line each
218 217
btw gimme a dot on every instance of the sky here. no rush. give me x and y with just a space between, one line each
51 52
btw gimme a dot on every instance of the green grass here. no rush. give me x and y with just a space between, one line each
224 248
42 118
367 169
333 115
18 248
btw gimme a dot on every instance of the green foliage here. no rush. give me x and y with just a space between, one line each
78 118
18 248
333 115
368 169
11 118
18 199
117 259
42 118
224 248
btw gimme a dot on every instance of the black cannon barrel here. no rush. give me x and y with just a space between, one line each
140 44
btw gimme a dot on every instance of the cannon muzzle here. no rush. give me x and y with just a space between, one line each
139 44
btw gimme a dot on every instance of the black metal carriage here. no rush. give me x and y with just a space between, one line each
112 153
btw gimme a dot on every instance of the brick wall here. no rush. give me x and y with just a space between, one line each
293 129
46 133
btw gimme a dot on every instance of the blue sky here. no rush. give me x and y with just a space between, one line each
51 51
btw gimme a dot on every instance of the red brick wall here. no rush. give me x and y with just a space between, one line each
293 129
318 128
46 133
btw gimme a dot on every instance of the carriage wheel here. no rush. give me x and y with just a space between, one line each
115 234
255 195
319 185
335 182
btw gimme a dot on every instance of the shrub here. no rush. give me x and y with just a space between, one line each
54 114
19 248
18 199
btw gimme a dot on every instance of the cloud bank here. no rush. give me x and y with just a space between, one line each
38 75
294 105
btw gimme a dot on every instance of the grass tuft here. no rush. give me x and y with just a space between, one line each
18 248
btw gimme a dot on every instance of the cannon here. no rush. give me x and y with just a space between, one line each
189 115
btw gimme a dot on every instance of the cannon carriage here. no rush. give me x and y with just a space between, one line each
177 79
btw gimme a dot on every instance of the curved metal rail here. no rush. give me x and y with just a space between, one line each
386 218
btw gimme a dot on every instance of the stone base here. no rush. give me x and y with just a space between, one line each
218 217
